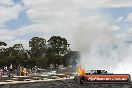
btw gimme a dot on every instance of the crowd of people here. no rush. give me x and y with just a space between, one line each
20 71
6 70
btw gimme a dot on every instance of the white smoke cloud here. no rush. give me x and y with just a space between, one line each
93 38
101 47
124 66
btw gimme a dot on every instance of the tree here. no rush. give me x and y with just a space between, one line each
18 47
3 44
58 47
10 55
1 47
3 60
38 46
20 55
38 50
57 51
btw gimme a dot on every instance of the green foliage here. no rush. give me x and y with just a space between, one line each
3 44
56 51
58 48
18 47
38 46
38 49
59 45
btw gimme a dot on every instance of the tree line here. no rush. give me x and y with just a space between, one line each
41 53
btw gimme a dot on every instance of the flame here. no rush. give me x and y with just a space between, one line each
81 71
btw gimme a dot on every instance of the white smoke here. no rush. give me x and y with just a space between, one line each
101 48
125 65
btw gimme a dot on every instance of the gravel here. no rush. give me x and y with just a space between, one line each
64 84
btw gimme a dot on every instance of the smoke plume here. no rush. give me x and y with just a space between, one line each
101 48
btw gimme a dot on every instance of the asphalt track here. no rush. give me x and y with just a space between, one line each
68 83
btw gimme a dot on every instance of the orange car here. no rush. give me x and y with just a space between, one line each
101 76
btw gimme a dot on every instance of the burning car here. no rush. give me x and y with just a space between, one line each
100 76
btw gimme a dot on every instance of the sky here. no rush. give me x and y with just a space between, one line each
20 20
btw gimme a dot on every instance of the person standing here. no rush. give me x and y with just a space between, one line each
10 71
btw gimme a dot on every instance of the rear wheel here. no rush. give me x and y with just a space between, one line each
81 80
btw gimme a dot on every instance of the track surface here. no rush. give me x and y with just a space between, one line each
64 84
